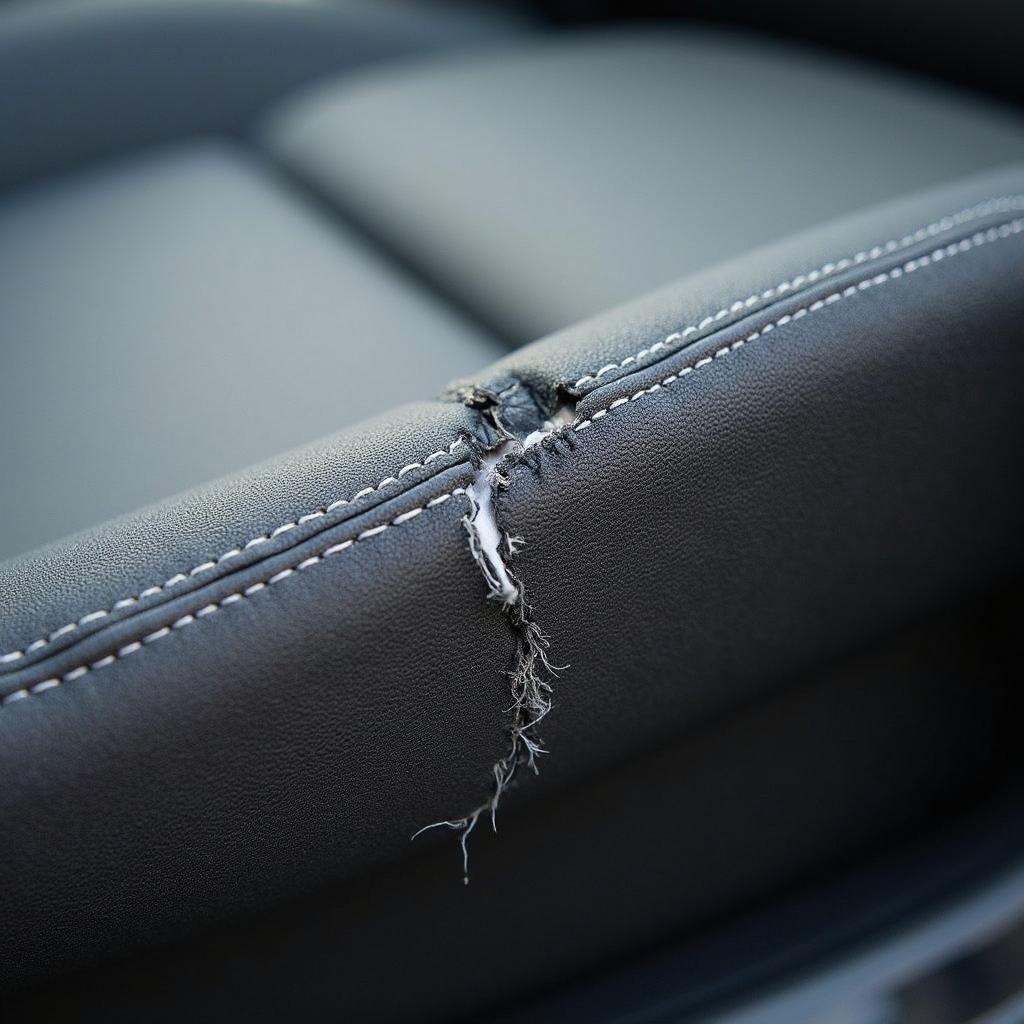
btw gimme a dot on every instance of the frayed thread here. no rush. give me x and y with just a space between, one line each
530 687
492 550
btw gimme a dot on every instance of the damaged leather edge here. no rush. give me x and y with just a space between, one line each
512 420
520 421
558 434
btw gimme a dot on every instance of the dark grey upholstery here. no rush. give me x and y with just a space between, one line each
759 529
88 79
341 683
552 181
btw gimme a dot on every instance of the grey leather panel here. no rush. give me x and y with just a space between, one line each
174 317
546 184
87 79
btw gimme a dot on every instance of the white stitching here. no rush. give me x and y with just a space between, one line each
993 234
224 602
180 577
1000 204
953 249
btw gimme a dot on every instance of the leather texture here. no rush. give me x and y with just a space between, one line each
691 856
186 313
553 180
771 537
574 361
703 541
73 589
782 488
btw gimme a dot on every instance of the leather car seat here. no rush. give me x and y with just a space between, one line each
729 557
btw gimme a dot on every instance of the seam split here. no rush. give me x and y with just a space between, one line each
196 570
225 602
532 673
980 238
999 204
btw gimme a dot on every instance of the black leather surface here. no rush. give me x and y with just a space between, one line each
261 750
554 180
85 80
184 314
57 586
223 716
852 466
791 500
683 843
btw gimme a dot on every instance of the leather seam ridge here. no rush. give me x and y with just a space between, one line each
1005 230
980 238
999 204
189 618
13 657
981 209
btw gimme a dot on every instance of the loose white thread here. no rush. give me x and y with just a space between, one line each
181 577
224 602
482 527
1001 204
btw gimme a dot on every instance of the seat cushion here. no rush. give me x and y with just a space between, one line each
550 182
175 316
82 80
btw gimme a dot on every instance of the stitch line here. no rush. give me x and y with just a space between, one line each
186 620
181 577
975 241
999 204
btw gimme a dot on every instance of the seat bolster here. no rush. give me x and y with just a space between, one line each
772 464
59 595
297 699
691 508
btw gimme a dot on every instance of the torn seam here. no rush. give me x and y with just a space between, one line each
533 671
